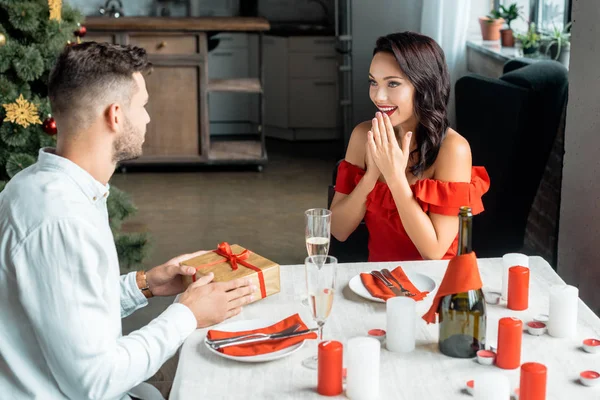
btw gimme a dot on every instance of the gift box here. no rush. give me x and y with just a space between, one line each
232 262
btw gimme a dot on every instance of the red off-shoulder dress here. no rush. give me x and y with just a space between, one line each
388 241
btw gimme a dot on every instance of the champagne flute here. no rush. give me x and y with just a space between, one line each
320 285
317 232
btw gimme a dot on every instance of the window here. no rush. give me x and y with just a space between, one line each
546 14
551 14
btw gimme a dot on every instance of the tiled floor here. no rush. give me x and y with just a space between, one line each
194 210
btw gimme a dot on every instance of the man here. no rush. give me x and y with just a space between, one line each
61 298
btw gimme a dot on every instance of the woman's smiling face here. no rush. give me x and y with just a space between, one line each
389 89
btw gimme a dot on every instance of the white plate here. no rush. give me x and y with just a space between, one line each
421 282
251 324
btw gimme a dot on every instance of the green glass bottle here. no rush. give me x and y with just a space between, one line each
462 316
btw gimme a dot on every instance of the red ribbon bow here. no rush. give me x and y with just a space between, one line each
224 250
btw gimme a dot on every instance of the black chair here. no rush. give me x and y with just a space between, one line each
511 124
355 247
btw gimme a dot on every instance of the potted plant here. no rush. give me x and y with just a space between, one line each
508 14
530 41
558 45
490 26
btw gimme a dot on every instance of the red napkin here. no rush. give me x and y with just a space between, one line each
268 346
461 275
379 290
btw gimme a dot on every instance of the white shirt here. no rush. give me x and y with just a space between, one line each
61 298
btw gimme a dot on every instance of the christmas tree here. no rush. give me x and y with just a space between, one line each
32 34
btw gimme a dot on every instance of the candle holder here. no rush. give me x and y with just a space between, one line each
591 345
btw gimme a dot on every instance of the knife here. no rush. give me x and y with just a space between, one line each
274 336
290 329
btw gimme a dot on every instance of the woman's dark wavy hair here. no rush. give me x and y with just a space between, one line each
423 63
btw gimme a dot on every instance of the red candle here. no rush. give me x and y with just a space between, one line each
510 332
330 368
518 288
533 381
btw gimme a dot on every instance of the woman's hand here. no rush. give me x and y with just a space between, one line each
385 151
373 173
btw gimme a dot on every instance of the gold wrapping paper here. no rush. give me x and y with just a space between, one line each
223 271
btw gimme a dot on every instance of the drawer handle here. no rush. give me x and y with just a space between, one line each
324 83
223 54
326 57
161 45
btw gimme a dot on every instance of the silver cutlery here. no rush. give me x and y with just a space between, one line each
388 275
290 329
262 339
388 284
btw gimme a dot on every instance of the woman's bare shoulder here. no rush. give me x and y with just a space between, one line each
355 153
454 161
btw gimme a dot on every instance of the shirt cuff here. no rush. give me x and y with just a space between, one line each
183 319
134 295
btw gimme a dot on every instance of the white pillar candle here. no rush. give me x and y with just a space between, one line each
492 386
362 368
400 330
511 260
562 318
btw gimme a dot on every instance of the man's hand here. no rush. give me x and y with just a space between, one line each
212 303
165 280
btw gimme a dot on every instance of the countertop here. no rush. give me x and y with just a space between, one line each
230 24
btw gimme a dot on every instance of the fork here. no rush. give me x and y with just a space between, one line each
219 342
388 284
388 275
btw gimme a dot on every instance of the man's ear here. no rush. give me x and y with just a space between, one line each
114 117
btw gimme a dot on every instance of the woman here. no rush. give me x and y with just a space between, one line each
406 172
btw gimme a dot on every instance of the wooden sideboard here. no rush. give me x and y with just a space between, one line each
179 131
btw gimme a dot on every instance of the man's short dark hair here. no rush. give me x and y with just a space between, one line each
91 75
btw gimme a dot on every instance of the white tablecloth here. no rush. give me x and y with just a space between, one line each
422 374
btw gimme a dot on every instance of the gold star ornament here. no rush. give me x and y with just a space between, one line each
21 112
55 7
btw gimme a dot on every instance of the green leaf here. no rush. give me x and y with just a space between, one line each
28 63
45 140
8 91
119 207
13 134
7 53
2 185
71 15
25 15
43 106
18 162
131 248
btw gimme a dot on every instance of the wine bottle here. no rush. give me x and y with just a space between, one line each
462 316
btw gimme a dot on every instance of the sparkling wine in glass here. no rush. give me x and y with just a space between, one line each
317 228
317 231
320 286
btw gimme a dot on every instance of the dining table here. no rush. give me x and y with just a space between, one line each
424 373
